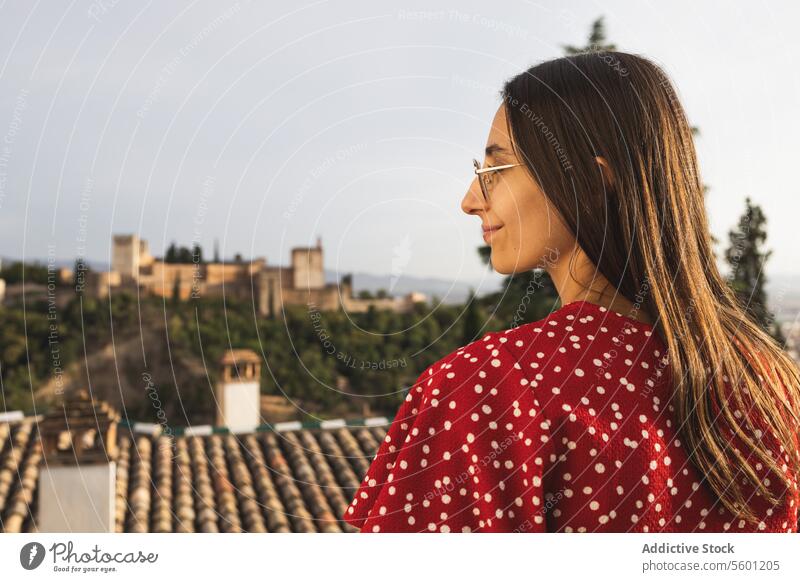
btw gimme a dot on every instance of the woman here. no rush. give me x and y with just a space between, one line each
649 402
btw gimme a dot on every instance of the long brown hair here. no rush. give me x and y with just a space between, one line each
647 233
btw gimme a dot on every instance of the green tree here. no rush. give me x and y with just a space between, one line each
597 40
176 289
184 255
171 255
472 319
747 259
197 254
18 271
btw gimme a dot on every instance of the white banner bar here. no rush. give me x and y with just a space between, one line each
401 557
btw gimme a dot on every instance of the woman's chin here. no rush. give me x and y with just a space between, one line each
508 267
501 266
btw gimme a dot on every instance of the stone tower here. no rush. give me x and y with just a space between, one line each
129 252
307 267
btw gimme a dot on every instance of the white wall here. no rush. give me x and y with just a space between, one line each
77 498
241 403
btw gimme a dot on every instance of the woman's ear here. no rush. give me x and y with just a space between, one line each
608 173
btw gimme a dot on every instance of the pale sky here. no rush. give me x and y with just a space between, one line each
266 127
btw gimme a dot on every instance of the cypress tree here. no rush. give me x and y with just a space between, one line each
597 40
472 319
747 259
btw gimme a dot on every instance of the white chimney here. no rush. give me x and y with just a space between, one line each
238 392
77 480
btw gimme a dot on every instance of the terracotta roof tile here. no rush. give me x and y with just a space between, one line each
285 481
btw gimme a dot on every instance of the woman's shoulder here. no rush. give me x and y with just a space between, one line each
576 344
580 328
482 358
548 330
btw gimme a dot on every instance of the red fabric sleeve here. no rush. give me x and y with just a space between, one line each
466 452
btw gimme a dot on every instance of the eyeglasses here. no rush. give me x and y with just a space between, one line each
485 176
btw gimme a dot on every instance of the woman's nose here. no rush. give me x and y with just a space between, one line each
473 201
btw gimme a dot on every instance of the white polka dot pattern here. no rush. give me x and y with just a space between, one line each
563 424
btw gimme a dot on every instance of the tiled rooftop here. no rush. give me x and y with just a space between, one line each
264 481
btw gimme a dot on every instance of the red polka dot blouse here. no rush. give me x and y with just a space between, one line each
560 425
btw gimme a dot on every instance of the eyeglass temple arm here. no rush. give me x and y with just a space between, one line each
495 168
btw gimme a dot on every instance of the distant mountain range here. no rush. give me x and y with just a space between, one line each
451 292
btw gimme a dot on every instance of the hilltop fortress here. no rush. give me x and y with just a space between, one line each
271 287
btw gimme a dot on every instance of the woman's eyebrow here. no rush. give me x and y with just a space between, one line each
493 149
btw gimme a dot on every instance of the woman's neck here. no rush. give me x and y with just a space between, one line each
579 280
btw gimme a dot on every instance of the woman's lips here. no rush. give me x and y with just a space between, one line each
488 232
